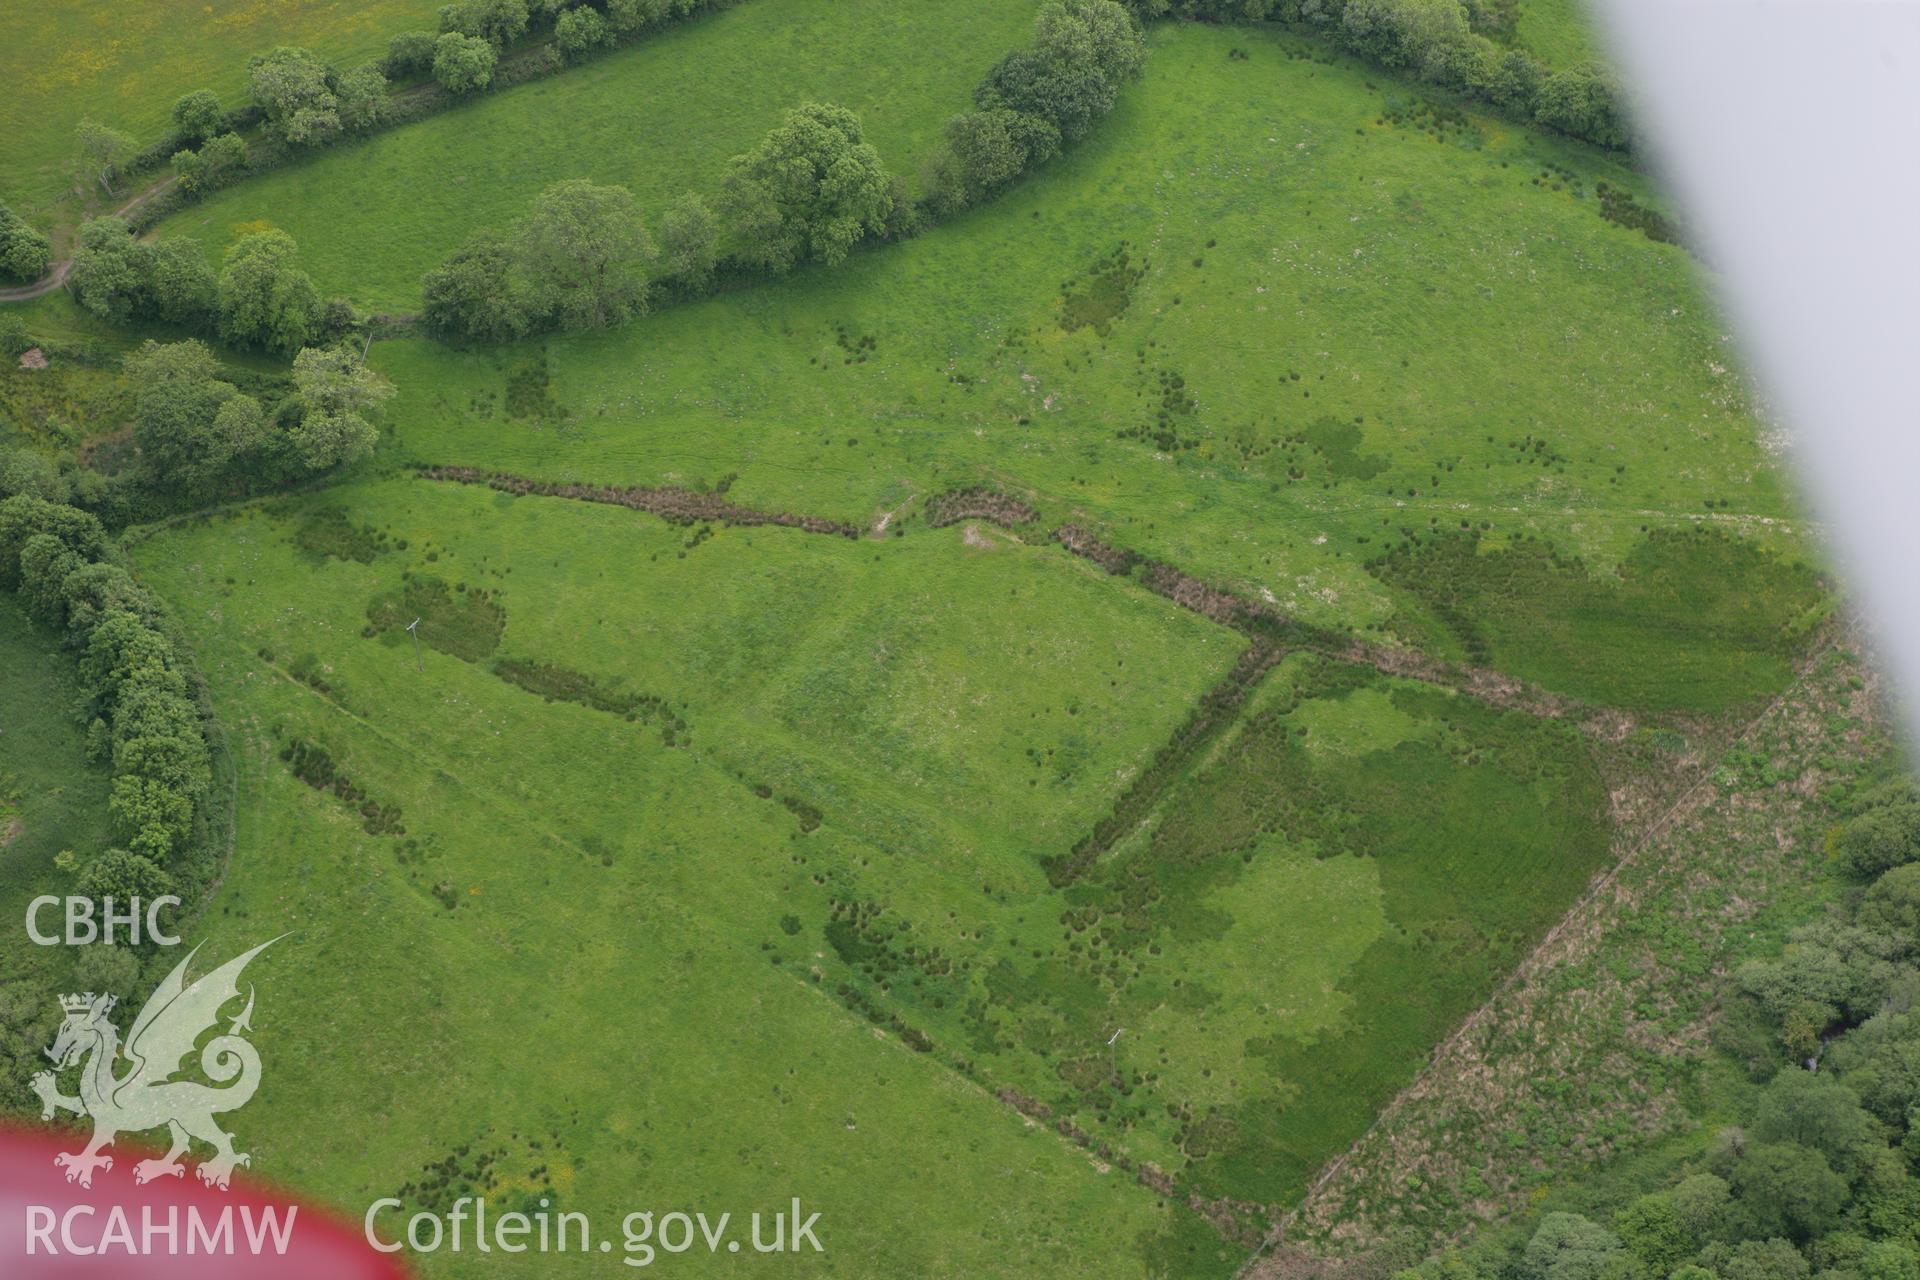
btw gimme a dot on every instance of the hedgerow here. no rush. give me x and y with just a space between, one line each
810 192
1436 40
303 104
146 706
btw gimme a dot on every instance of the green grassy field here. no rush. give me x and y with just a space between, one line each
51 798
1558 32
1299 925
662 117
123 65
703 866
839 765
509 822
1334 329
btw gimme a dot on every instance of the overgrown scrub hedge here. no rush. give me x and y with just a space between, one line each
1821 1174
202 430
1437 41
144 717
1035 100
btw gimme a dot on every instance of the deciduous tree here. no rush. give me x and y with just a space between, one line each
295 89
338 396
179 392
463 63
472 294
103 151
811 190
198 116
499 22
265 299
112 271
1083 51
579 32
582 255
24 252
689 242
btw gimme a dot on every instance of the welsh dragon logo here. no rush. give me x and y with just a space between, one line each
145 1096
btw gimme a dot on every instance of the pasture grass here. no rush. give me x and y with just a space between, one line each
658 814
587 920
661 117
51 796
125 64
1339 324
1559 32
762 761
1693 620
1282 945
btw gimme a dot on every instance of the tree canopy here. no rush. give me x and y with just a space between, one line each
463 63
811 190
1083 51
337 398
580 259
265 300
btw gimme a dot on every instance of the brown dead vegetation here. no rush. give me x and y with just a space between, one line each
978 504
669 502
1264 621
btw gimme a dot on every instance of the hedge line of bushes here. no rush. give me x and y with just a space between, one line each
259 300
1035 100
809 192
146 704
302 103
1440 41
